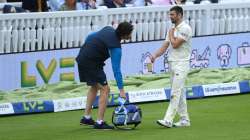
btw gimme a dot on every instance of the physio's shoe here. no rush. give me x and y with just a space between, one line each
164 123
85 121
182 123
103 126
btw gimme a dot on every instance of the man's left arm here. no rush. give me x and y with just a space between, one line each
176 42
116 54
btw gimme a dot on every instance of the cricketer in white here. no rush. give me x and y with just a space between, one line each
178 43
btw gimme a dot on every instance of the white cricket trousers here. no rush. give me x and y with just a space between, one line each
178 103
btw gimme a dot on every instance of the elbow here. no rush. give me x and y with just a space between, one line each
174 46
117 72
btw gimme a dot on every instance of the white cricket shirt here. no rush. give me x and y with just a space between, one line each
182 53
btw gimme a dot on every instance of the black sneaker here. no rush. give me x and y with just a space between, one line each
85 121
103 125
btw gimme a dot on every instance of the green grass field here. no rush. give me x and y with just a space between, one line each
217 118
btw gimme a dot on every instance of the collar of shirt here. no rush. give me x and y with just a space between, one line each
181 24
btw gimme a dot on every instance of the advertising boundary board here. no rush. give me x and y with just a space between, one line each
195 92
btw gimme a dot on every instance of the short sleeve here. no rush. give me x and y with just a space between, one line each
185 33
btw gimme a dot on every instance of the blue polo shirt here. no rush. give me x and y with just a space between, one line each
98 47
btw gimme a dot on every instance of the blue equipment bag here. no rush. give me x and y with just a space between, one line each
125 116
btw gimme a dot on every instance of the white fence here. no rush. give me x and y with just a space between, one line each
55 30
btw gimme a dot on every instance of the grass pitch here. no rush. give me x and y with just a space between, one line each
217 118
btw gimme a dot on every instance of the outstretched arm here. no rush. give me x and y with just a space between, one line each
115 54
160 51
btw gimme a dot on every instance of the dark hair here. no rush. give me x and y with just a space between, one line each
124 28
8 9
183 1
33 6
177 9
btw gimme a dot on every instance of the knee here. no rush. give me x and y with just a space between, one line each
176 91
105 90
94 88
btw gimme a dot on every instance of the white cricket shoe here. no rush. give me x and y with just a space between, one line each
164 123
182 123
